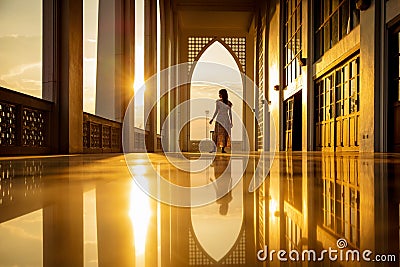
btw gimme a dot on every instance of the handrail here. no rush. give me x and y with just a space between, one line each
101 135
26 127
25 123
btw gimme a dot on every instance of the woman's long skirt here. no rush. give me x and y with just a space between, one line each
221 136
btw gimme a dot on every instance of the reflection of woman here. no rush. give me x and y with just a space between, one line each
223 184
223 123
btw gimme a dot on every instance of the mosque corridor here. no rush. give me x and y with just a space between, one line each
86 210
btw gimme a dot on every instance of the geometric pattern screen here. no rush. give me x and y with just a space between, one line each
237 44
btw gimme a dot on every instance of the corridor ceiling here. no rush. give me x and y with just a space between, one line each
231 15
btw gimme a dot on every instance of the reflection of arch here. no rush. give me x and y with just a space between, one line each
233 248
199 257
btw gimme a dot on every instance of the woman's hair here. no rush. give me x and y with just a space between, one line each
224 96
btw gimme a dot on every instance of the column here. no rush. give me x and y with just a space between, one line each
173 94
150 68
50 77
248 93
127 75
63 71
370 77
183 92
165 14
115 66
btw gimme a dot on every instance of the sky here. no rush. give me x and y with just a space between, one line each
21 59
90 34
21 46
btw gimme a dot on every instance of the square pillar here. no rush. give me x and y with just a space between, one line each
150 68
63 71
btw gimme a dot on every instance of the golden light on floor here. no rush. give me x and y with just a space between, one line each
90 228
273 208
138 170
139 213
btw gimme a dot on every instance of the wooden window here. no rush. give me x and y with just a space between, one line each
334 19
293 39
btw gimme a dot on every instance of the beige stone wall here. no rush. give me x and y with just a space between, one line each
368 80
392 10
273 69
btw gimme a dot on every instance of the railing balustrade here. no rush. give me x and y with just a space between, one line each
25 124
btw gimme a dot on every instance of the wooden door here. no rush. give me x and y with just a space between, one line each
289 124
394 91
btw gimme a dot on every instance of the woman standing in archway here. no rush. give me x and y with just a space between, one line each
223 123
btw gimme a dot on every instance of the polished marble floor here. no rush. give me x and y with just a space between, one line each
91 210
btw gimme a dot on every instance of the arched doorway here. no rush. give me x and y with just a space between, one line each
206 82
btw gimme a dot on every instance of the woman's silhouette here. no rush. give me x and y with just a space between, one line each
223 123
223 183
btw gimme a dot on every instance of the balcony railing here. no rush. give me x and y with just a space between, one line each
28 126
25 124
101 135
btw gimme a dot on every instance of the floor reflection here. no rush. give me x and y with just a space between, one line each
90 229
140 214
88 211
215 228
22 240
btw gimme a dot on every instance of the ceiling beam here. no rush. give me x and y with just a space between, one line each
210 5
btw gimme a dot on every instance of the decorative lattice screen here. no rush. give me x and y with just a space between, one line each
237 44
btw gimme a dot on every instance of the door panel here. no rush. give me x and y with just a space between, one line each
394 91
293 128
396 125
337 108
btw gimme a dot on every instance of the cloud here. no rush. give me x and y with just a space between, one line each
89 59
18 50
21 63
91 242
4 84
16 36
20 232
10 36
25 78
18 70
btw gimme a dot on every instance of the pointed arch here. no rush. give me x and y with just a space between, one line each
236 48
210 43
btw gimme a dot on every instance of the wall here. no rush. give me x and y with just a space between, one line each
369 78
273 69
392 9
